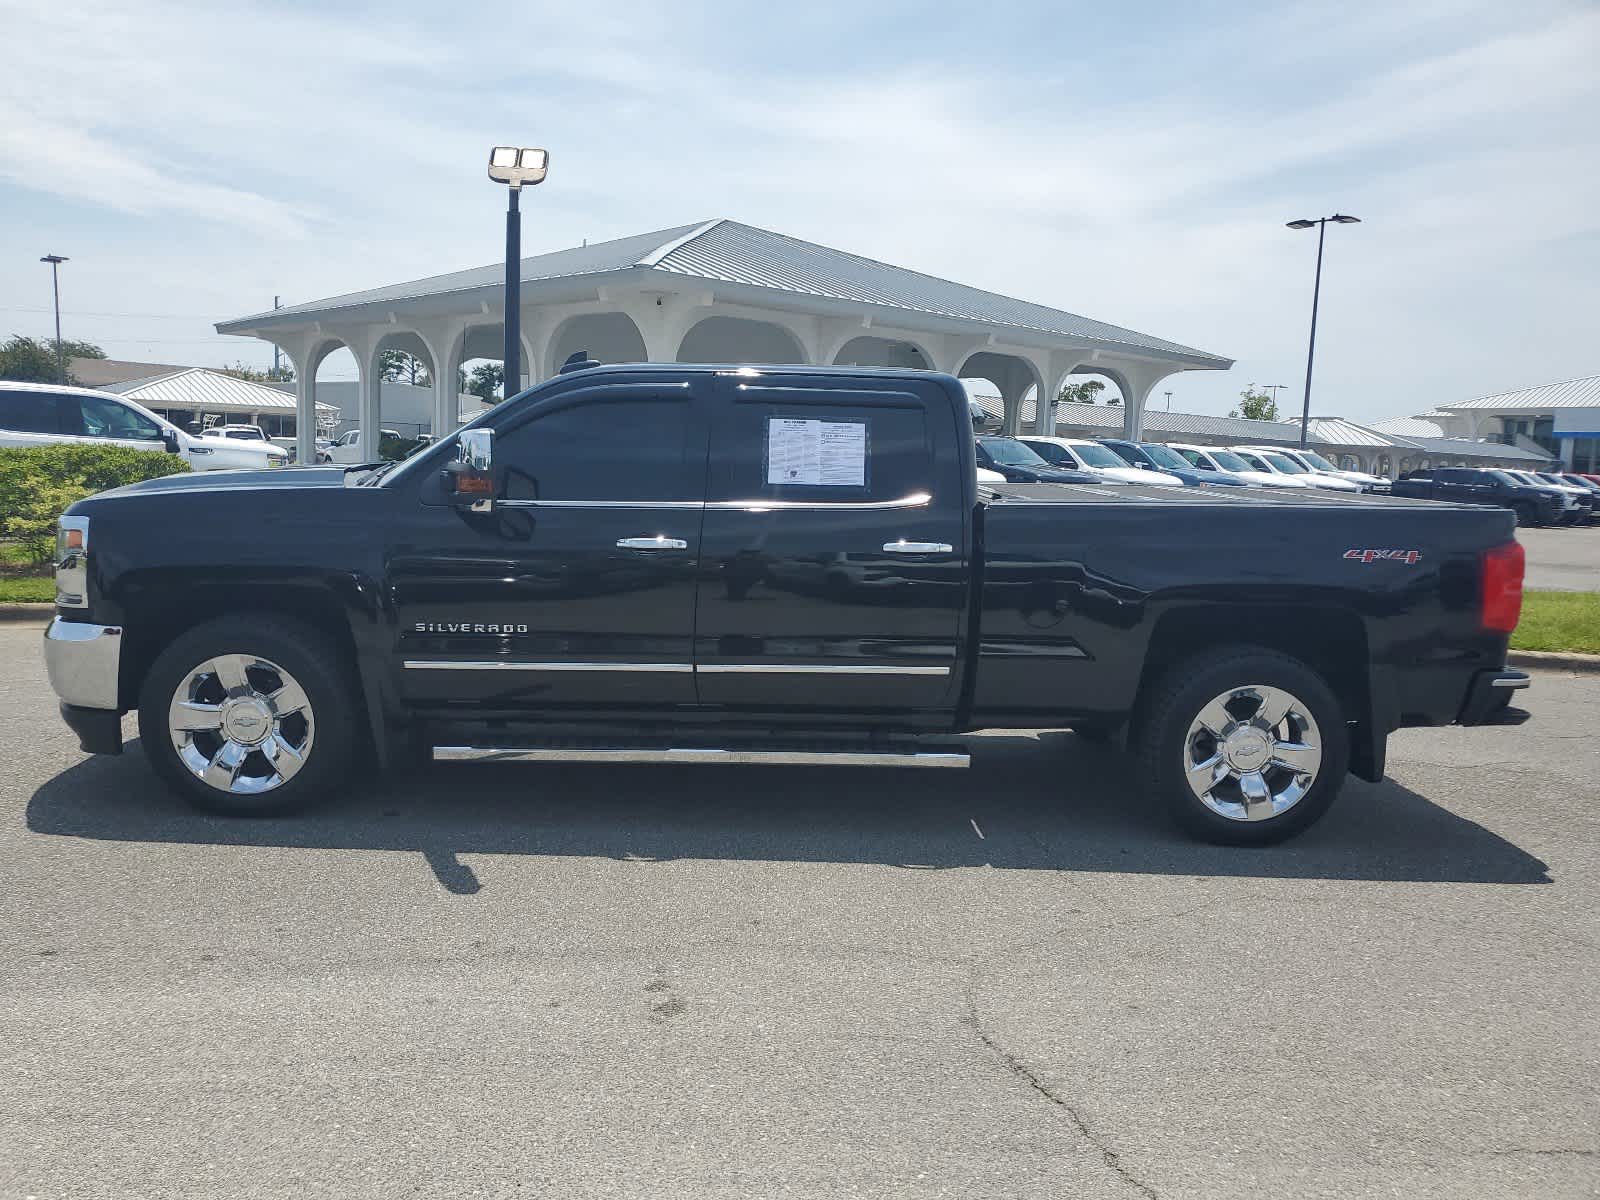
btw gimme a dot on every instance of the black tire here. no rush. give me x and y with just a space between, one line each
1527 515
312 661
1176 700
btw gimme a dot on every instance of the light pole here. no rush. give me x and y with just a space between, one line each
516 167
1274 388
1316 290
55 261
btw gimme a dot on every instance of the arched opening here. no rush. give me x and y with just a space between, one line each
1078 394
607 337
335 379
882 352
480 369
1015 379
985 404
1385 467
739 340
404 371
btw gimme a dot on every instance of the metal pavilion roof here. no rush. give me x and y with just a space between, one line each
1336 431
1409 427
724 251
198 388
1467 448
1571 393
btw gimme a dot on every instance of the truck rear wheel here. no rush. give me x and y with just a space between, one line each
1244 746
248 716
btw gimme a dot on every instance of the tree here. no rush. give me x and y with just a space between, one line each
399 366
33 360
71 349
1081 393
1256 406
1087 392
485 380
239 370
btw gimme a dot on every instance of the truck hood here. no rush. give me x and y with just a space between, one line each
276 479
1138 475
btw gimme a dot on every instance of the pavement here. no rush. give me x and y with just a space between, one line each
1564 558
619 981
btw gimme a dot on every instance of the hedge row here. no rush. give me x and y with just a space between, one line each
38 483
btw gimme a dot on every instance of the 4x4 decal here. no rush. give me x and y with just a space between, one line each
1409 557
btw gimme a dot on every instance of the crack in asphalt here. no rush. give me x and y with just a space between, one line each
1022 1071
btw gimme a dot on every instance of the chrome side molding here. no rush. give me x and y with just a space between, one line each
704 754
498 664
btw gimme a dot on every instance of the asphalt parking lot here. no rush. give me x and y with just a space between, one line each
642 981
1566 559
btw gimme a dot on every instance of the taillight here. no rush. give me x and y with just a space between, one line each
1502 587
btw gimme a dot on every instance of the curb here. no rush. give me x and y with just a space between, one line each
20 613
1560 660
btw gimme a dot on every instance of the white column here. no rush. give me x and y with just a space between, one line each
298 349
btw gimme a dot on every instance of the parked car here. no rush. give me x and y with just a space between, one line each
1533 505
987 476
1163 458
244 433
1077 454
44 414
1579 500
1583 481
1210 458
1020 464
1317 465
347 449
1274 460
621 563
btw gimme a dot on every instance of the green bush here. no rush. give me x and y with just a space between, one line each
393 449
38 483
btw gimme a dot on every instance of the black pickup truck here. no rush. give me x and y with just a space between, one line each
789 564
1474 485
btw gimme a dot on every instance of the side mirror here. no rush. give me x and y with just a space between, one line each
470 479
169 439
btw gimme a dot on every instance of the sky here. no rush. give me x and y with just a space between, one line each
1134 163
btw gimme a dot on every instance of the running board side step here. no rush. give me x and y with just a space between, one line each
700 754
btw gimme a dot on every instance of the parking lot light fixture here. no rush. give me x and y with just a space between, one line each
517 167
1321 225
55 261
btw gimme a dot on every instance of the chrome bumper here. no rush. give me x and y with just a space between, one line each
83 662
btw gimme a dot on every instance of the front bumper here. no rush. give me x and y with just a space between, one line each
1488 699
84 662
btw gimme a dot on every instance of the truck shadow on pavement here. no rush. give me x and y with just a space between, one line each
1052 803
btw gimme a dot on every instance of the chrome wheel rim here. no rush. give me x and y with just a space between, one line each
1252 753
241 724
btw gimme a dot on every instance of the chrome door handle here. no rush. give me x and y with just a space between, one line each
905 547
659 542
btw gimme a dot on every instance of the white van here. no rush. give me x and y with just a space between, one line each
50 414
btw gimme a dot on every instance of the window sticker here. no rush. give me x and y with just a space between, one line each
816 453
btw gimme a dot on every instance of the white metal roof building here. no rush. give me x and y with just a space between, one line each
1561 420
194 394
720 291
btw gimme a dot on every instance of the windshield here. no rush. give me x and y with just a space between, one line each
1164 456
1286 464
1098 456
1013 454
1229 461
1316 460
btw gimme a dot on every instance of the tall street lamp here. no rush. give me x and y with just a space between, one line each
55 261
1316 290
517 167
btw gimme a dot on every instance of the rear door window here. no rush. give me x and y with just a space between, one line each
864 449
28 412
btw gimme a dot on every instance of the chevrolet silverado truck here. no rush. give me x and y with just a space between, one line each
768 565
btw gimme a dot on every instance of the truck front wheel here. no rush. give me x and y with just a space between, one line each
1243 746
248 716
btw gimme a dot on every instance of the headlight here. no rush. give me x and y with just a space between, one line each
72 562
